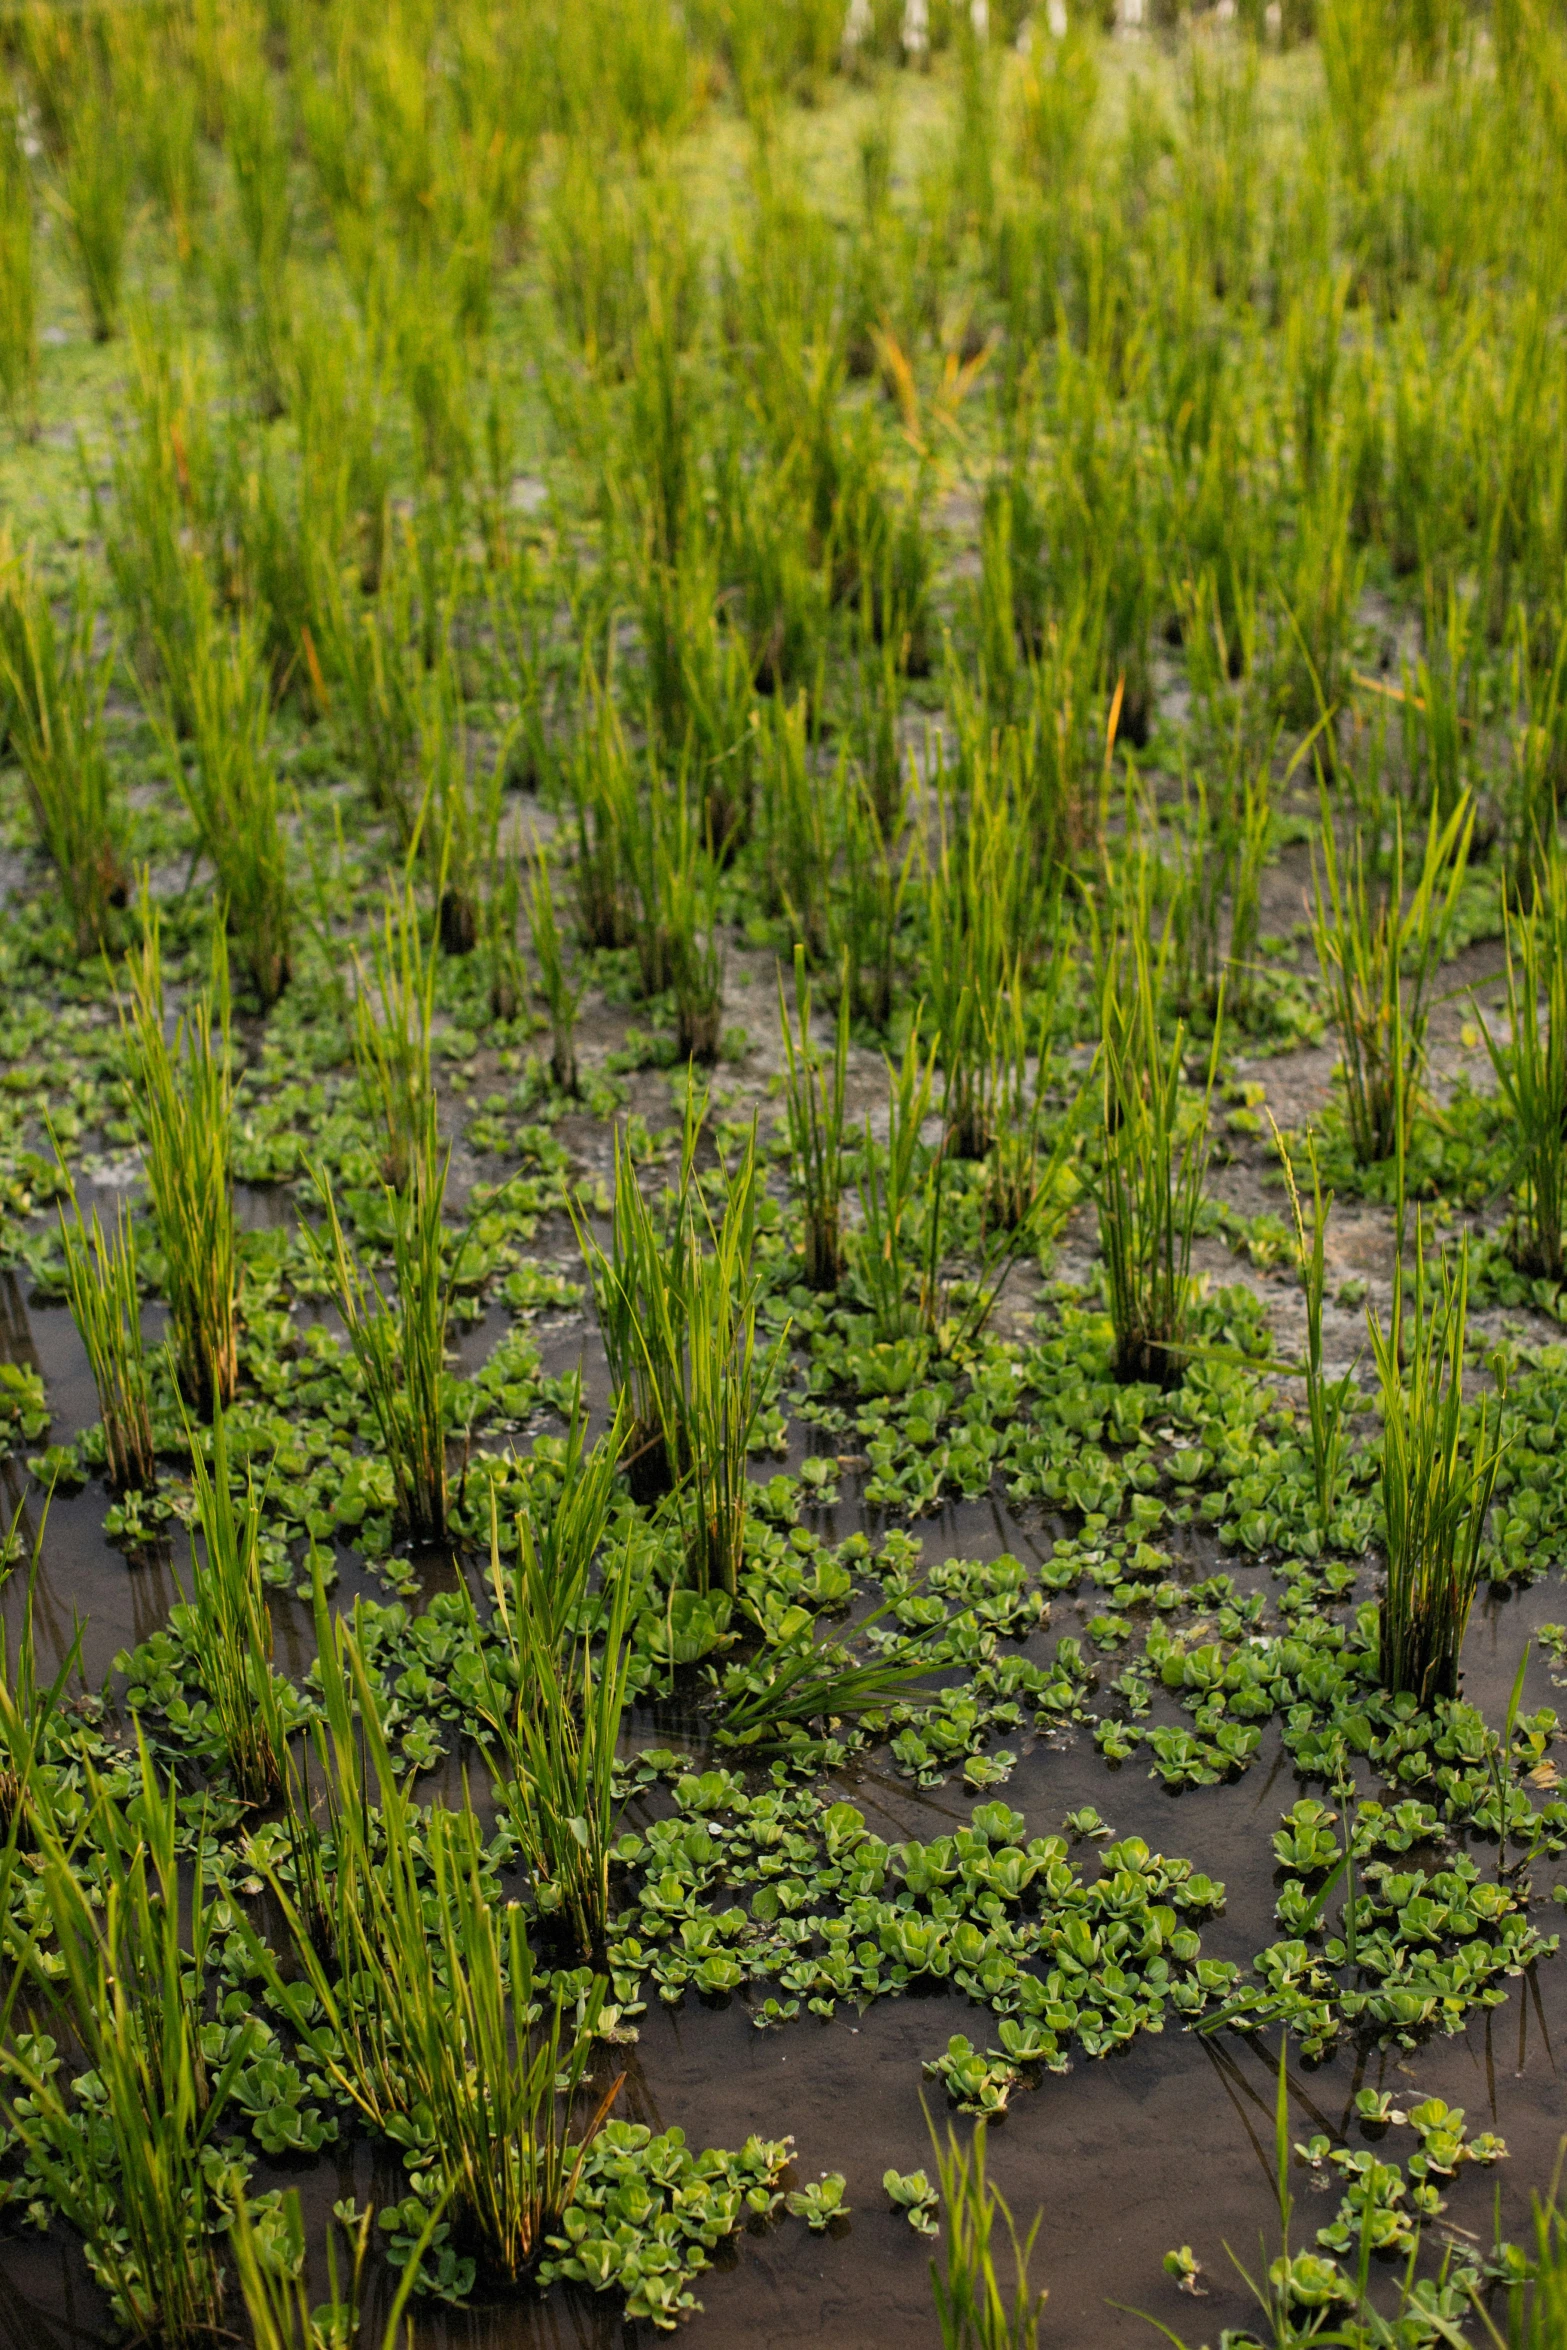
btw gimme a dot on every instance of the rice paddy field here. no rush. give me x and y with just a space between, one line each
783 1174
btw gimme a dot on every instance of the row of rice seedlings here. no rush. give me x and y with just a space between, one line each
252 1708
435 2028
54 690
103 1290
136 2167
1379 943
184 1093
551 1707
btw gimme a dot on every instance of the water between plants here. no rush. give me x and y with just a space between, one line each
1167 2142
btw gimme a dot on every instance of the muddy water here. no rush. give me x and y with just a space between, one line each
1169 2142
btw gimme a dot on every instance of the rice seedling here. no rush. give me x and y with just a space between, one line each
794 842
394 1013
94 202
1438 1476
18 276
864 928
55 689
500 916
814 1105
561 994
1327 1400
1146 1177
1531 1069
460 810
435 2029
137 2168
550 1706
812 1677
982 911
231 786
973 2309
1217 910
696 958
370 660
1537 2311
104 1294
890 1182
270 2271
1378 945
252 1709
399 1343
603 790
722 1380
183 1093
31 1713
640 1286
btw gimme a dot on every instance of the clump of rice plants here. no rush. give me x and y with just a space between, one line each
814 1104
399 1342
184 1095
1439 1469
231 788
18 275
251 1707
94 201
270 2271
561 993
394 1012
887 1248
1146 1175
137 2167
55 689
436 2029
551 1702
1531 1069
640 1296
1327 1400
104 1293
974 2310
722 1378
1378 949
